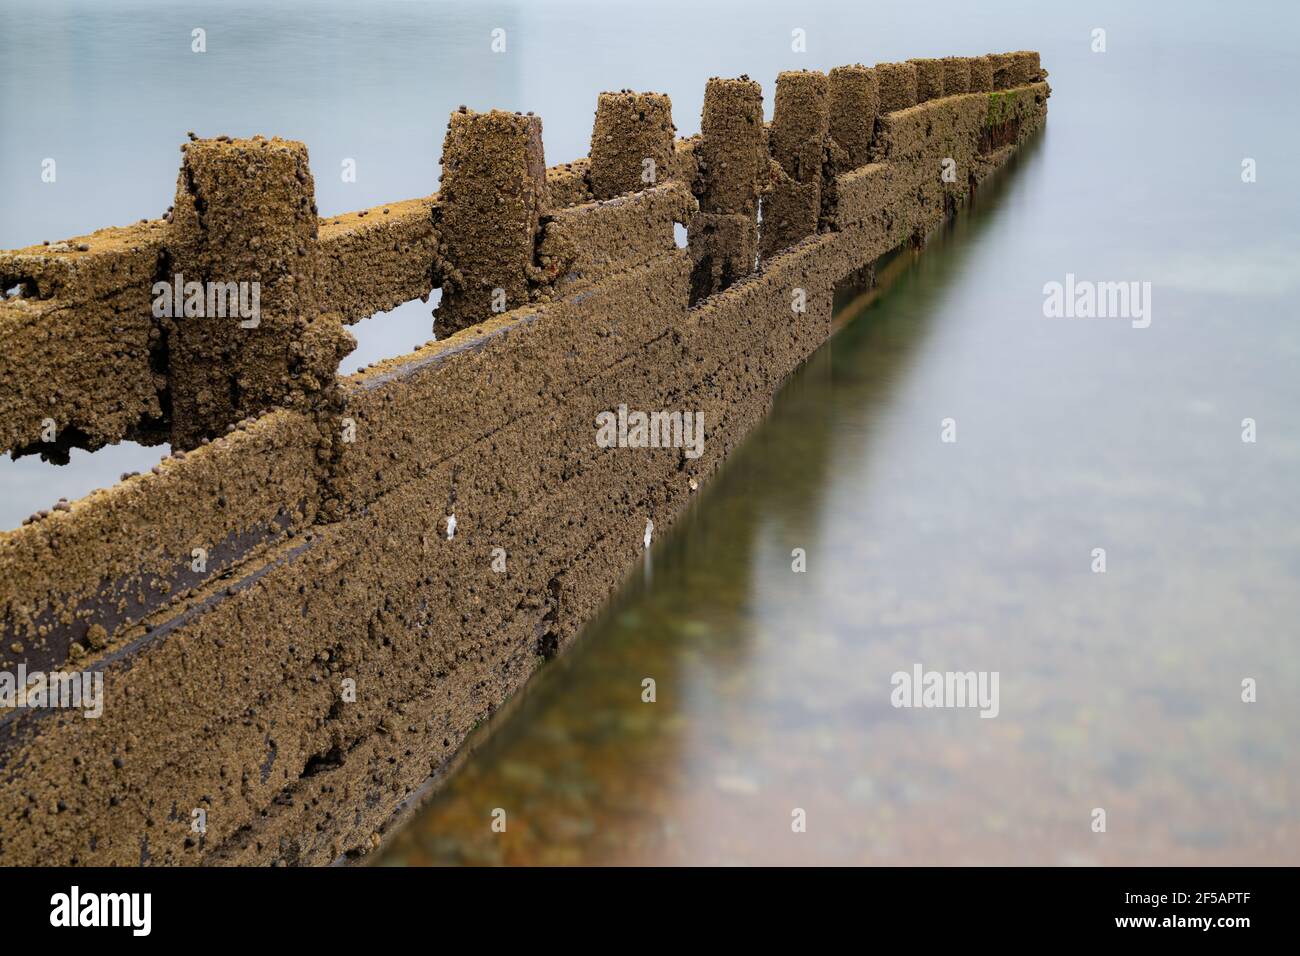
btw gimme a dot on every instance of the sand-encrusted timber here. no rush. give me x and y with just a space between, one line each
493 189
799 142
731 173
329 559
631 142
245 215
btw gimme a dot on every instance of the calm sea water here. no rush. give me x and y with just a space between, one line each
1120 691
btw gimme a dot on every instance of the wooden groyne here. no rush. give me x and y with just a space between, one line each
302 611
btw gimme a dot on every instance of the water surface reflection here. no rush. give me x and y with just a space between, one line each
1117 691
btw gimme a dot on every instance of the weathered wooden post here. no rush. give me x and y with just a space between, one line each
723 236
854 104
797 142
1003 70
493 187
897 83
929 79
956 75
631 142
238 298
1026 67
981 74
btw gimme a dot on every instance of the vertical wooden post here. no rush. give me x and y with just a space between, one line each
897 86
854 104
1003 70
797 142
981 74
956 75
493 187
929 79
631 142
1026 67
723 236
244 333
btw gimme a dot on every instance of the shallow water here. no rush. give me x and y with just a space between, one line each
1119 691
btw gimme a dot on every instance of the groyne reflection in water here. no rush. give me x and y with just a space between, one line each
773 687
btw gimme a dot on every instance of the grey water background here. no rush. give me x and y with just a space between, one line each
1118 690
